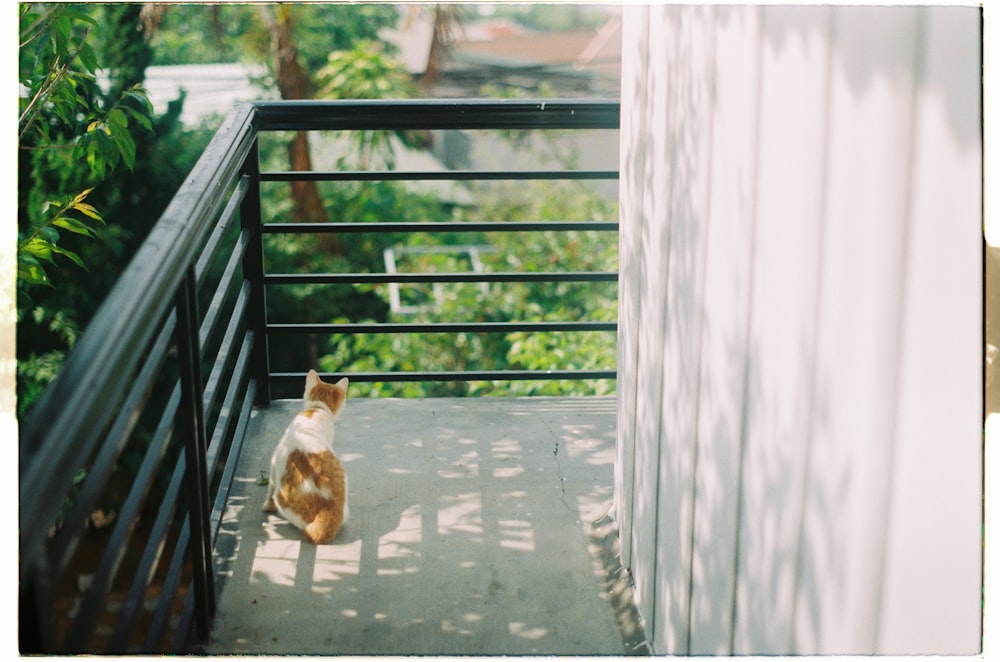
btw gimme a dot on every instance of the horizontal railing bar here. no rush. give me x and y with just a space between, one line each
442 327
428 114
466 277
294 378
442 226
434 175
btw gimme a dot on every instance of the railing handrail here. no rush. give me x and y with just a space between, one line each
430 114
70 407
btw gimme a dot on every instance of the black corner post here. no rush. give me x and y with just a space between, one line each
253 271
191 424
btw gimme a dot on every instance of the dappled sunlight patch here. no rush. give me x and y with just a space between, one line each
463 515
525 631
334 561
279 573
596 504
408 532
517 534
506 449
396 471
396 550
602 457
275 562
507 472
398 545
450 628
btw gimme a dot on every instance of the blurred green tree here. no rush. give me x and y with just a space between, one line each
77 131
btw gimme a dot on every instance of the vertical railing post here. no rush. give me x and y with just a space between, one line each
253 270
191 424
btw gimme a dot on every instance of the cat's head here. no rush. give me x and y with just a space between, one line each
333 396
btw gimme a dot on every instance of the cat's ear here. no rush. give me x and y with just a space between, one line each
343 384
312 378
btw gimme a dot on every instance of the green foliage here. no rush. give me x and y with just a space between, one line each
63 122
233 32
74 215
553 17
366 71
73 135
358 202
325 27
196 33
498 302
95 171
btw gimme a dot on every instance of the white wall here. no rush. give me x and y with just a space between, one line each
800 363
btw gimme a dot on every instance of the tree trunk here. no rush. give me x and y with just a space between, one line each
447 18
294 83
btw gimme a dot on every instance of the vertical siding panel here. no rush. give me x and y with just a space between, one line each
635 44
858 350
654 237
828 241
781 346
936 502
724 332
685 155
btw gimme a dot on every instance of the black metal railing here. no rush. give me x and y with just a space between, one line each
126 461
428 115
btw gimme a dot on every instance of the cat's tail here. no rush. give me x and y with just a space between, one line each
323 528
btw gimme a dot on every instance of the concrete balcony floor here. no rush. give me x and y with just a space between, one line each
478 526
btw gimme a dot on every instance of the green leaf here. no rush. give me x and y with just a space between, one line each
94 160
49 204
73 225
32 274
71 255
88 58
81 196
37 249
138 93
87 210
126 148
117 119
50 233
77 15
141 119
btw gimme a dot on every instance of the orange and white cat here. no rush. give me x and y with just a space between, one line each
308 486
